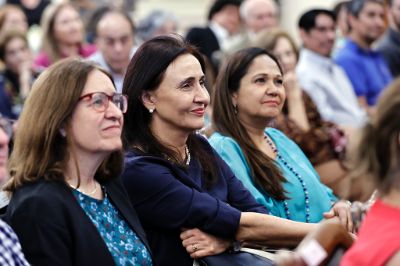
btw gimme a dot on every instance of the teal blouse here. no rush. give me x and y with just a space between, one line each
320 196
124 245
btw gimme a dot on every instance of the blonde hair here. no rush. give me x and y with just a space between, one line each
49 41
40 151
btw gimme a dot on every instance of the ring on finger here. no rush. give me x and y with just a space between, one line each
195 247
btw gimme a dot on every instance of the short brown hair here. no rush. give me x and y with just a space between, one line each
40 151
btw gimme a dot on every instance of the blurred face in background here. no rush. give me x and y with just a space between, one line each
16 54
262 14
394 14
115 41
321 38
15 19
168 27
370 23
68 26
229 18
285 53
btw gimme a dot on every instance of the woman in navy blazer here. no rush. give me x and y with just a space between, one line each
189 202
68 206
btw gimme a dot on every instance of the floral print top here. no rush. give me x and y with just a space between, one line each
124 245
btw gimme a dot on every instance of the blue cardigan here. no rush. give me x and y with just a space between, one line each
168 198
321 197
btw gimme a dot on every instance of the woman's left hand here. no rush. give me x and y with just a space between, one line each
200 244
342 210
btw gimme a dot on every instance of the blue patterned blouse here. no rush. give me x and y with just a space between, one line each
122 242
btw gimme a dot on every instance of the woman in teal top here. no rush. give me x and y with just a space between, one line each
249 94
321 197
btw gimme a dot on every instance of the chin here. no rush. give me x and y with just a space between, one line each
112 146
198 126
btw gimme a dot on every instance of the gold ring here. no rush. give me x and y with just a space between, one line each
195 247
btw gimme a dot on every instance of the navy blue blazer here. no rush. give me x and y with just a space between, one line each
54 230
168 198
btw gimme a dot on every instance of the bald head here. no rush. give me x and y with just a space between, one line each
259 14
115 40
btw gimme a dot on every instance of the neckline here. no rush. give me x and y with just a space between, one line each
80 193
292 169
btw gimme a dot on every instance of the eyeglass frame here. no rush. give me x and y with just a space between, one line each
109 98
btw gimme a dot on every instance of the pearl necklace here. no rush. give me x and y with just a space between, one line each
291 169
187 156
81 191
187 153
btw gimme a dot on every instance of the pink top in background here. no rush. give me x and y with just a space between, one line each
42 60
378 238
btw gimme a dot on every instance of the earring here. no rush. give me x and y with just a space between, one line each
235 109
151 110
63 132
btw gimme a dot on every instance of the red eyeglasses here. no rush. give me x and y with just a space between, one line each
99 101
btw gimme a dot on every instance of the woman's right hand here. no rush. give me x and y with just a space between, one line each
200 244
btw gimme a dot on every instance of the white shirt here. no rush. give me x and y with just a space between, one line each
118 78
220 32
330 89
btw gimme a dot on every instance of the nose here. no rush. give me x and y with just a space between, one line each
113 112
202 96
118 46
20 54
272 89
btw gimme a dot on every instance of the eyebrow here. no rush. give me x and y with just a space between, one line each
187 80
268 75
190 80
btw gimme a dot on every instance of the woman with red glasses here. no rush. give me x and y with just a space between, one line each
67 205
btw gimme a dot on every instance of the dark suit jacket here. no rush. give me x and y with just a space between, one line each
54 230
206 41
168 198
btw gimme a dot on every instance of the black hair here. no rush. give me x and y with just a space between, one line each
308 19
220 4
145 73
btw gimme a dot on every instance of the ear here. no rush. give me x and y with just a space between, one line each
351 19
234 98
149 100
